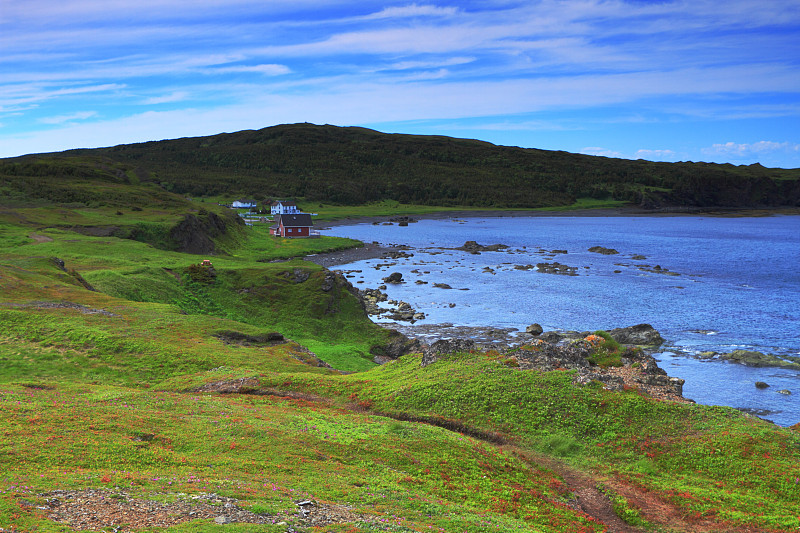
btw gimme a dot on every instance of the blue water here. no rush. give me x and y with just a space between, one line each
738 286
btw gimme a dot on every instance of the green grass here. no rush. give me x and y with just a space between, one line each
704 459
96 393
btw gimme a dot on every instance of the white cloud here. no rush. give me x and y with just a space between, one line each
750 150
175 96
655 155
61 119
269 70
412 10
444 62
597 150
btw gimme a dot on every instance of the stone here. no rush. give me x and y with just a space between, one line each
445 347
394 277
534 329
639 335
603 250
785 392
442 286
761 385
222 520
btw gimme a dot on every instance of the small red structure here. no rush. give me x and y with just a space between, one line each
206 263
292 225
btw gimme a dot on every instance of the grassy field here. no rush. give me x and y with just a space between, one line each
129 373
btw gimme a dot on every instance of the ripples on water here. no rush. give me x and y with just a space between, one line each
707 284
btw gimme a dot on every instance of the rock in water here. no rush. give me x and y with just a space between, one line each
394 277
534 329
603 250
761 385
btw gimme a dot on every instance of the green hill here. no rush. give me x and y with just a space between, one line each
354 166
143 391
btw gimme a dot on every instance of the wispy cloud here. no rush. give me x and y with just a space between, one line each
751 150
412 10
61 119
268 70
175 96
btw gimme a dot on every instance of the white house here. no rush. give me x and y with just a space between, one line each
283 208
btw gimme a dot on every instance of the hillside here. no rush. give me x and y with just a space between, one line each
141 391
354 166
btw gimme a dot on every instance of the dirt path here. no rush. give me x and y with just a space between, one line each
588 498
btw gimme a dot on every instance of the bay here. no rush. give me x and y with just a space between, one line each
706 283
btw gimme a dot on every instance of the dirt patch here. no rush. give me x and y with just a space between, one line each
97 510
39 239
61 305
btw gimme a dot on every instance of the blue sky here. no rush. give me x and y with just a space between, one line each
695 80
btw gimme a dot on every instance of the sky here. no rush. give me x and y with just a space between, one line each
682 80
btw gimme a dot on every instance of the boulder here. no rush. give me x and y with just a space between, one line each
394 277
603 250
534 329
761 385
396 346
551 336
639 335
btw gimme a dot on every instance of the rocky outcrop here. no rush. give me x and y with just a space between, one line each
445 347
396 346
557 268
758 359
475 248
603 250
639 335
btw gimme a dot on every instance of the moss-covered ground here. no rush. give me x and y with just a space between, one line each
99 389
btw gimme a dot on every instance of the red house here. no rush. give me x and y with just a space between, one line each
292 225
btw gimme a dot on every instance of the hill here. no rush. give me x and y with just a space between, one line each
354 166
143 391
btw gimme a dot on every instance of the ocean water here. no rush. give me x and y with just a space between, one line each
706 283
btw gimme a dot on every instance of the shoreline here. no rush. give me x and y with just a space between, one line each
600 212
376 251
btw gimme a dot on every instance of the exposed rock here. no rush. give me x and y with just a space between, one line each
394 277
551 337
557 268
534 329
243 339
758 359
442 286
445 347
523 267
786 392
639 335
298 274
475 248
403 220
761 385
603 250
